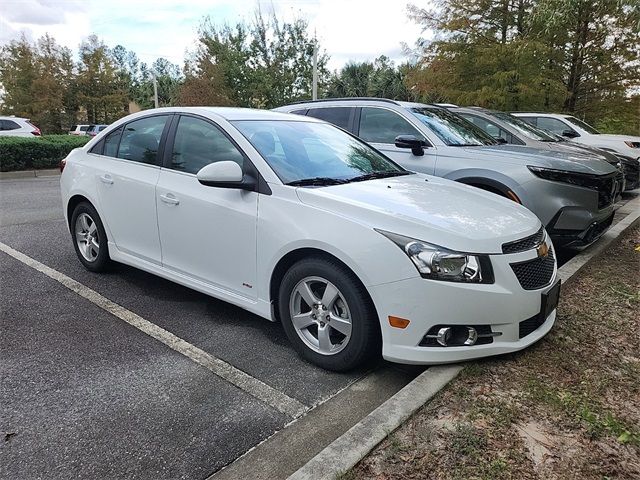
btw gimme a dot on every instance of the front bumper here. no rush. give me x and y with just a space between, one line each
428 303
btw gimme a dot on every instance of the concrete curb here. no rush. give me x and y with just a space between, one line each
347 450
45 172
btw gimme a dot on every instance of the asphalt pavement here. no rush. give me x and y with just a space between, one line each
86 395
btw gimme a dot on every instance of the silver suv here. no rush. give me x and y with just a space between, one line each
510 129
573 195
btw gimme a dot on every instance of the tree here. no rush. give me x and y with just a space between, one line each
261 64
100 92
579 56
38 83
380 78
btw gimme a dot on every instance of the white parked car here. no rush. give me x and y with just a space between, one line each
18 127
296 220
575 129
79 130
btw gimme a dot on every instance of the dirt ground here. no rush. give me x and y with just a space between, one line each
566 408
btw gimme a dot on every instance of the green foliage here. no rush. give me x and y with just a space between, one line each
261 64
379 78
25 153
577 56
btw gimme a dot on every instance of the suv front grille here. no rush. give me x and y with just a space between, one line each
524 244
606 188
536 273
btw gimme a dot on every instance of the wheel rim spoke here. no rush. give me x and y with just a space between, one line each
302 320
324 342
304 290
342 325
84 222
92 228
329 296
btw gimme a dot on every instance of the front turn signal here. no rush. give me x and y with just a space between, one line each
398 322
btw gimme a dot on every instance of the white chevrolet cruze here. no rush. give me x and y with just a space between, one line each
296 220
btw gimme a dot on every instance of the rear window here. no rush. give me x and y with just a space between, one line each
339 116
8 125
73 127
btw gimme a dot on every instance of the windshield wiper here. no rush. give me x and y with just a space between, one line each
374 175
316 181
471 144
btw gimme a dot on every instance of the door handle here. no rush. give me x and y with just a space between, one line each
106 178
169 199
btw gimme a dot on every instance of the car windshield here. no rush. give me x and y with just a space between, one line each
309 153
525 128
585 126
452 129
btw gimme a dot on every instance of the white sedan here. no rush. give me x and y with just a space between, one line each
581 132
295 220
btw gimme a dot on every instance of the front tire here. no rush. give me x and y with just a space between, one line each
328 315
89 238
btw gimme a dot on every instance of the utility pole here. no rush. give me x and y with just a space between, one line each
155 89
314 95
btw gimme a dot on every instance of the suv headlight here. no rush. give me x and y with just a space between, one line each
586 180
631 144
439 263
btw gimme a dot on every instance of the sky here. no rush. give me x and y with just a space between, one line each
349 30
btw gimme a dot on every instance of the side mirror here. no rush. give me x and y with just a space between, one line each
410 141
570 133
225 174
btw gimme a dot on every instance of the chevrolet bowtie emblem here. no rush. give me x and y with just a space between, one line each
543 250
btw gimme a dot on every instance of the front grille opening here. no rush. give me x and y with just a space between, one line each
524 244
536 273
530 325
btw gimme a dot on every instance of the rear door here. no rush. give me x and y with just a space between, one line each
380 127
128 170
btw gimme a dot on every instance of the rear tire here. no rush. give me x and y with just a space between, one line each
89 238
328 315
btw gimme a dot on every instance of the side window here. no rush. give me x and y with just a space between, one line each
198 143
530 120
9 125
339 116
489 127
378 125
553 125
109 146
141 139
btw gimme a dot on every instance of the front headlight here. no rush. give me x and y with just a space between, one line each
587 180
632 144
439 263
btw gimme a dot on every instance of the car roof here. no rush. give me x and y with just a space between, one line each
11 117
231 113
542 114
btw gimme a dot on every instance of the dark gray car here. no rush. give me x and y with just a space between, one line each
511 129
572 194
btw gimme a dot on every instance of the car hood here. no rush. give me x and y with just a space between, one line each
556 159
582 149
431 209
621 138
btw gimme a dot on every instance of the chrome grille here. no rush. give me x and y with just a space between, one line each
536 273
524 244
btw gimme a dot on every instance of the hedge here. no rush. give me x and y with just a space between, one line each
27 153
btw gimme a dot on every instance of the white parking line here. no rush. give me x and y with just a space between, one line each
260 390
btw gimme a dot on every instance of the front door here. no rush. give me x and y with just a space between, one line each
207 233
380 127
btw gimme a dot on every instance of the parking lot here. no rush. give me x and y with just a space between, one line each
128 375
87 395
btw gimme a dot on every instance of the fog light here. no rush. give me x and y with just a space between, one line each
456 335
